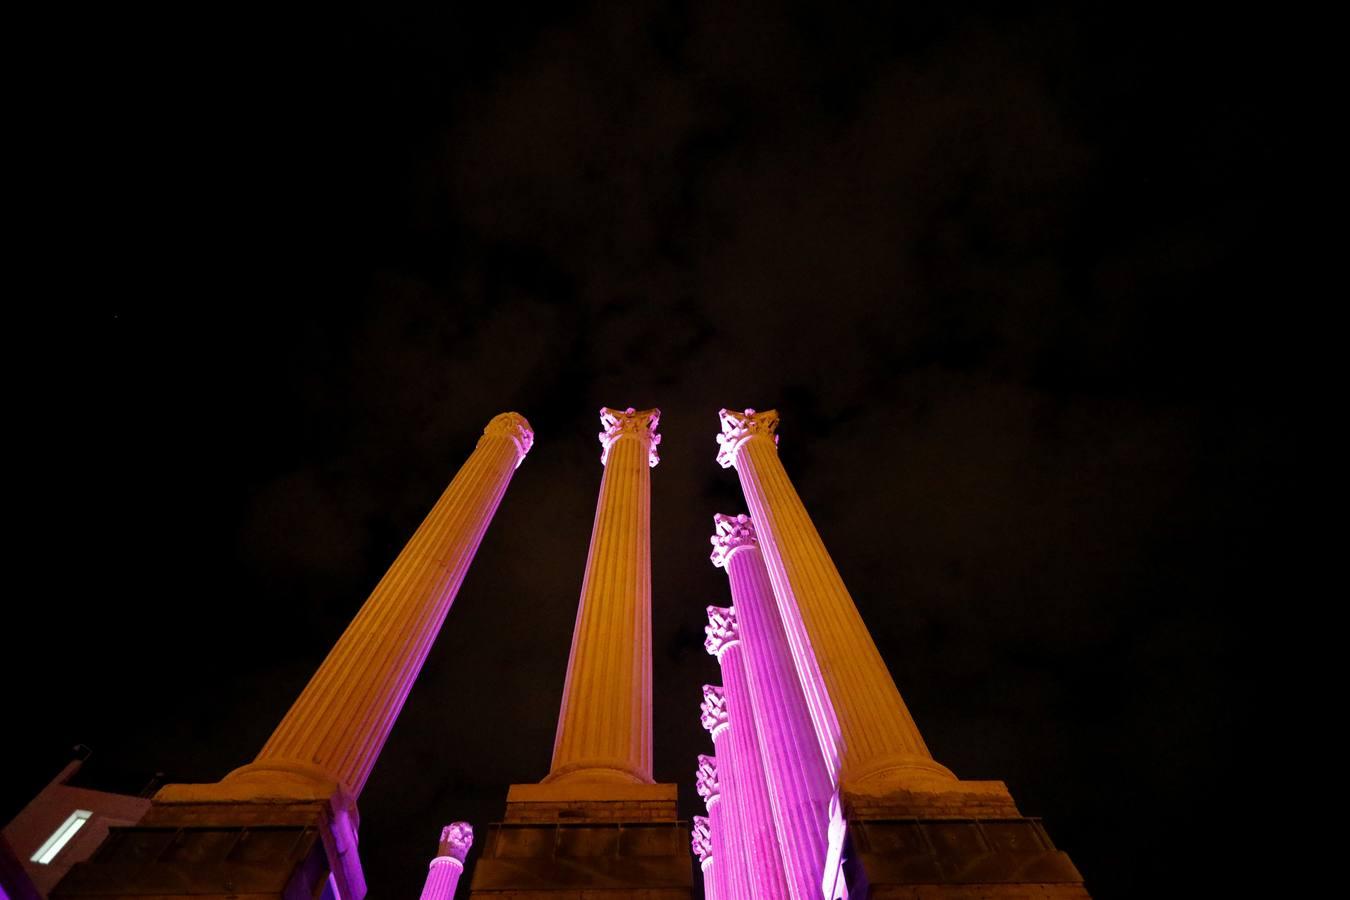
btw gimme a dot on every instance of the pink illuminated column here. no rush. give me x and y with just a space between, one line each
730 846
701 844
443 877
724 883
798 780
605 724
749 810
334 732
865 731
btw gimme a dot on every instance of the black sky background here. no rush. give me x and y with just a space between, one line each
1000 270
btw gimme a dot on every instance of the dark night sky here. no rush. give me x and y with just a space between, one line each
1000 272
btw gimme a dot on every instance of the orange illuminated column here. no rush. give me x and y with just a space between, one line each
334 732
799 784
605 724
865 731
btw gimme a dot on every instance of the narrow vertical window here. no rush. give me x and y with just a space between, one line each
61 836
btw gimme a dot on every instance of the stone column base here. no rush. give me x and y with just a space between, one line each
226 841
574 840
964 841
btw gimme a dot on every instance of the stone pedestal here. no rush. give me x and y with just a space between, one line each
586 840
212 841
962 843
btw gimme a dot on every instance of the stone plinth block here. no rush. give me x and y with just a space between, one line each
572 840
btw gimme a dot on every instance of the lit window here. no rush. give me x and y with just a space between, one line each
61 836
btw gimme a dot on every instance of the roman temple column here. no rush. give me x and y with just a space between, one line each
336 728
605 724
863 726
749 810
445 869
701 843
725 882
798 781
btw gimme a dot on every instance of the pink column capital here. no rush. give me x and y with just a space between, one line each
713 710
701 841
722 632
444 871
738 428
456 839
706 781
730 534
630 422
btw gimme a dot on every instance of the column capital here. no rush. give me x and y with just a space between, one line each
456 839
702 839
514 427
706 781
621 422
722 630
731 533
713 709
739 427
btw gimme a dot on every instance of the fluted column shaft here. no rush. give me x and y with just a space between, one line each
729 873
799 783
338 725
711 889
721 868
863 726
747 797
442 878
605 723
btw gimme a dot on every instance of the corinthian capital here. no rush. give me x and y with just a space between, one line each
722 630
706 781
621 423
713 709
513 426
730 533
702 838
739 427
456 839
